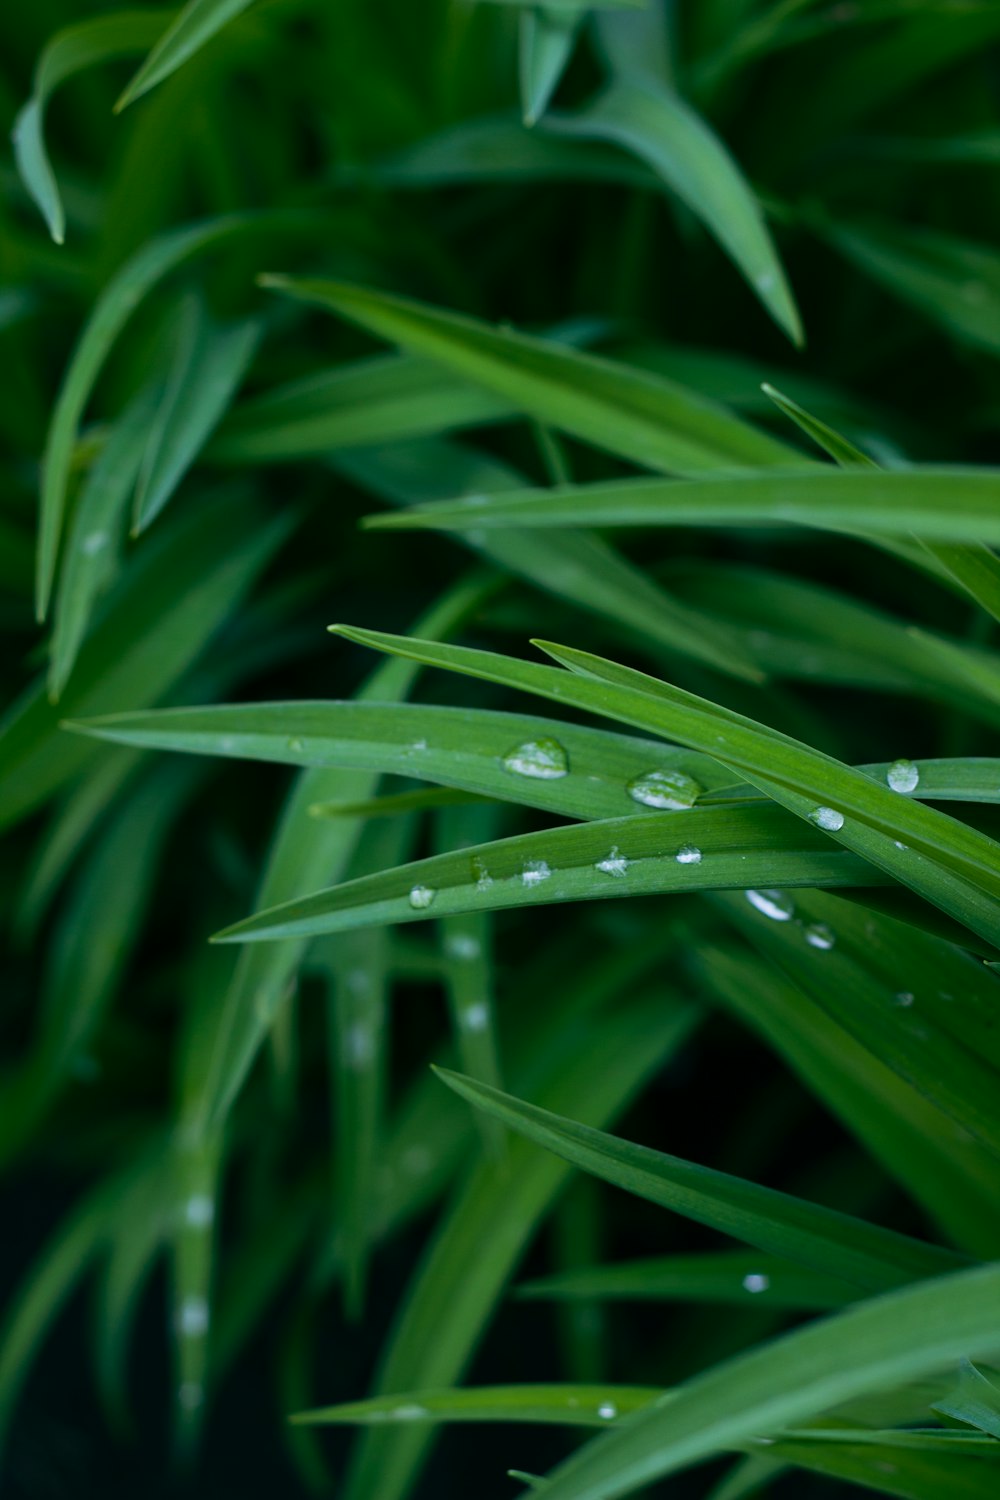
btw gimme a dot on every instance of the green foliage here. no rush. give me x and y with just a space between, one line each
384 1049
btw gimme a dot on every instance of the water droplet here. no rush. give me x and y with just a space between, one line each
199 1211
475 1017
670 791
903 776
94 542
773 904
296 747
607 1410
190 1395
613 864
818 935
462 945
899 845
756 1281
688 854
534 872
410 1413
483 877
419 745
360 1046
421 897
904 998
544 760
192 1319
828 818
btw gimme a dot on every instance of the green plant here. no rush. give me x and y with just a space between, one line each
682 320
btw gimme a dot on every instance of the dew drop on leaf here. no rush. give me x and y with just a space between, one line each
421 897
669 791
534 872
903 776
818 935
544 760
756 1281
828 818
688 854
773 904
613 864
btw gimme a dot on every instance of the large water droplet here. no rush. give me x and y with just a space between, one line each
818 935
534 872
613 864
903 776
828 818
773 904
688 854
421 897
756 1281
670 791
543 759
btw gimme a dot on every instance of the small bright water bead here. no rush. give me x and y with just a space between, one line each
903 776
613 864
828 818
818 935
756 1281
688 854
905 998
544 760
668 791
192 1319
421 897
462 945
534 872
475 1017
773 904
607 1411
199 1211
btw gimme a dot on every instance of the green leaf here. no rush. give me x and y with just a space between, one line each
569 1405
959 871
478 753
951 504
480 1240
175 593
208 366
726 1276
113 309
663 131
897 1337
71 51
573 565
831 1243
720 848
926 1011
636 415
976 1401
547 37
196 24
946 1171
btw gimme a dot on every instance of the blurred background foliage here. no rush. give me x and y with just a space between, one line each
214 1208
